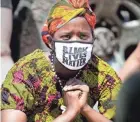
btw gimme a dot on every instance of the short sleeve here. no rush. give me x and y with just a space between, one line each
17 91
108 94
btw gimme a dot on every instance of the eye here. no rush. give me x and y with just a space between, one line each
65 37
83 36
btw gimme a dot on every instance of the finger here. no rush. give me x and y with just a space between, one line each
77 93
72 88
74 81
83 88
69 82
84 96
72 84
66 88
80 94
78 82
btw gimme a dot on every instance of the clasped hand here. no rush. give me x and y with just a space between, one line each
75 95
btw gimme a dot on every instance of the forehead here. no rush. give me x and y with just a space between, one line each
78 24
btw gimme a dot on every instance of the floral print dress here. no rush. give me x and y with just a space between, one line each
31 86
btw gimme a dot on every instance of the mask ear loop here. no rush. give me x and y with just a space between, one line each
52 45
94 38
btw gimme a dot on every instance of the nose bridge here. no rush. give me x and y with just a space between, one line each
75 37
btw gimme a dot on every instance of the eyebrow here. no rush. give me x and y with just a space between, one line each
85 33
65 32
70 32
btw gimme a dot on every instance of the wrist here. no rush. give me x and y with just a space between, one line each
71 114
67 116
73 111
85 109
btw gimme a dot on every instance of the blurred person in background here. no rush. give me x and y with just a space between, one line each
6 30
131 65
8 44
64 84
128 104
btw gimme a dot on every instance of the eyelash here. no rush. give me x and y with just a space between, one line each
66 37
83 35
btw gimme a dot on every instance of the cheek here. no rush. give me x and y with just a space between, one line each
90 39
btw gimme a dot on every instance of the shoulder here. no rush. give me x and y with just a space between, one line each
31 63
99 64
37 57
29 69
101 70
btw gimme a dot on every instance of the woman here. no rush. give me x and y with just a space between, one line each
64 85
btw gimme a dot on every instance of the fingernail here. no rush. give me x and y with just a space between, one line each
65 88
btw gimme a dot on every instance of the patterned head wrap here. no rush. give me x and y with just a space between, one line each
62 12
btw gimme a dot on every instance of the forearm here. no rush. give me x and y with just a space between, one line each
131 65
6 30
92 115
13 116
66 117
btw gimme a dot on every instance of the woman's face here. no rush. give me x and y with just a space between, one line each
76 29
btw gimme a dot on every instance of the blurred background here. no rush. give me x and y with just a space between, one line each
117 30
